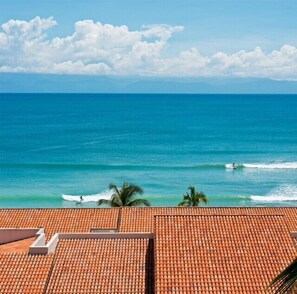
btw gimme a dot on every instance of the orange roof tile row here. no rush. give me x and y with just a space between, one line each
102 266
220 254
130 219
137 219
60 220
22 273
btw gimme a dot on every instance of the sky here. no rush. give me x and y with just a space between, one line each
159 39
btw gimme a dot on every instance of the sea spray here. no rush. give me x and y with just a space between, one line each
275 165
282 193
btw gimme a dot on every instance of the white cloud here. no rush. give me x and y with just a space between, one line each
24 30
164 32
105 49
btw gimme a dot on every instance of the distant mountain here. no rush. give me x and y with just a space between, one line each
39 83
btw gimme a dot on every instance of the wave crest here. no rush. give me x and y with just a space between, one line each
279 194
283 165
276 165
88 198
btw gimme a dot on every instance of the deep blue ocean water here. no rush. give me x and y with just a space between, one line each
77 144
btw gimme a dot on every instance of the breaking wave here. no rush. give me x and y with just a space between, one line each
87 198
282 193
281 165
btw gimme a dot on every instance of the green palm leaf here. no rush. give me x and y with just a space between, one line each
103 202
125 196
286 281
114 188
184 203
193 198
115 201
139 202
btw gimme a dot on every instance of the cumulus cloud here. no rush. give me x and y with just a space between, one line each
104 49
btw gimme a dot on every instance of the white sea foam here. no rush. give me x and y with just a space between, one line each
280 194
88 198
282 165
275 165
233 166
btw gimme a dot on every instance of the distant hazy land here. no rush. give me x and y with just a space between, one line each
44 83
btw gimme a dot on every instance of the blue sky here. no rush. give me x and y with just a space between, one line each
202 38
213 24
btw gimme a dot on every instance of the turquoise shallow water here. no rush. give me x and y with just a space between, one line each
55 144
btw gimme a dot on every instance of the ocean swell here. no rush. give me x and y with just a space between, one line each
137 167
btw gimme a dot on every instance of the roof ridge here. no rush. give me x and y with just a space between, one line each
56 208
119 220
49 274
209 207
220 215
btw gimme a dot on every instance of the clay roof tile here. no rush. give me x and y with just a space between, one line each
220 253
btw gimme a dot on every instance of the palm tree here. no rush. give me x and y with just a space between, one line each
286 281
194 198
124 196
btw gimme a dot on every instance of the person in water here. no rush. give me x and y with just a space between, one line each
233 165
81 199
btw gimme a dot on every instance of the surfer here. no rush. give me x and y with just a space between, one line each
233 165
81 199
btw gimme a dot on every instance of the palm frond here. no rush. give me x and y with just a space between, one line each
134 189
193 198
187 197
124 196
114 188
104 201
286 281
116 200
192 190
184 203
139 202
202 197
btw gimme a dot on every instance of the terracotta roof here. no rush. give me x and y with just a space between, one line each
220 253
219 249
132 219
141 219
102 266
60 220
22 273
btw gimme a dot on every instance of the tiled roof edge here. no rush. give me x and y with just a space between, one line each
216 215
39 246
210 207
58 208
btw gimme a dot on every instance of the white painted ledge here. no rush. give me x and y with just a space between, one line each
39 246
8 235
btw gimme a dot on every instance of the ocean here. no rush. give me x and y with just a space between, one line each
56 147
